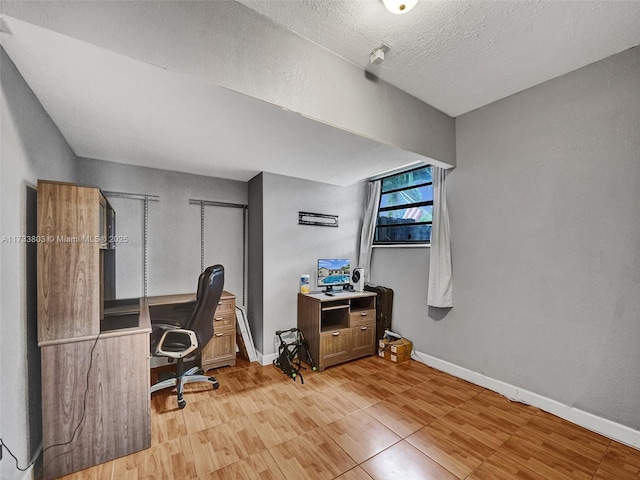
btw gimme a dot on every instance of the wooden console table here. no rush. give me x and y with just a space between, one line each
338 328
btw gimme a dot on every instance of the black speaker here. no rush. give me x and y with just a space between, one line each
357 278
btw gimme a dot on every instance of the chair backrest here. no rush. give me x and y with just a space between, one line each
210 286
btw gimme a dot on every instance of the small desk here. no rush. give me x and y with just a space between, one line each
221 349
171 299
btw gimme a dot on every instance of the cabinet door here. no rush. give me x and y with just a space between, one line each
363 339
334 347
221 349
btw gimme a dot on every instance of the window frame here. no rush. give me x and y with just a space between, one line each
424 203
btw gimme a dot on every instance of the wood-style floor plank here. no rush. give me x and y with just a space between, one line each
224 444
551 464
312 455
401 414
495 406
356 473
327 407
412 373
369 419
619 462
208 414
500 467
404 461
458 452
169 460
361 435
362 394
260 465
281 423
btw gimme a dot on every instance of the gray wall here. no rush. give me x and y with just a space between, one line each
406 271
174 227
290 249
31 147
544 208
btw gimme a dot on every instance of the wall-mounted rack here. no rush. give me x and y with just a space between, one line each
317 219
244 207
145 245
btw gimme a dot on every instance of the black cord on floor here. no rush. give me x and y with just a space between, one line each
75 430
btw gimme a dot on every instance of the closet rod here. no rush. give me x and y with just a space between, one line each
133 196
211 203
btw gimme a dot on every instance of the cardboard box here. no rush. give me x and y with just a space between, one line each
397 351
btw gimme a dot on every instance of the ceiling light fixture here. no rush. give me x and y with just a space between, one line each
399 6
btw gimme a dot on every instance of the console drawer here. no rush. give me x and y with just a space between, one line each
362 317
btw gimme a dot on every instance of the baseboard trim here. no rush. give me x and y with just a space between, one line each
266 359
613 430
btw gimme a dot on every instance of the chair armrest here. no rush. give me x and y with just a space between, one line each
190 336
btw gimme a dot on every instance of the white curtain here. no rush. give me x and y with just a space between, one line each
369 227
440 291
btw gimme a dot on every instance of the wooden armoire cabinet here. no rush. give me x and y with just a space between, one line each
95 377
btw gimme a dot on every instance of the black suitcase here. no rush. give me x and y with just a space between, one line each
384 307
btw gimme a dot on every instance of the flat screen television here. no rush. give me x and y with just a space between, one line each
333 272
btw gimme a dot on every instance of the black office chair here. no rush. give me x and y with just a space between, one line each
182 330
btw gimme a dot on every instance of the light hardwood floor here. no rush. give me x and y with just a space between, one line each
367 419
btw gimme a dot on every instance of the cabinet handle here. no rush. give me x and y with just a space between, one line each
219 334
335 334
363 314
217 318
363 328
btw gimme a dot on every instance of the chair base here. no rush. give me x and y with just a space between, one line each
194 374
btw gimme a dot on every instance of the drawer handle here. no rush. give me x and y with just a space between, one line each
363 328
363 314
219 334
335 334
218 318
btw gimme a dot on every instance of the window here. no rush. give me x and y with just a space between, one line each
406 208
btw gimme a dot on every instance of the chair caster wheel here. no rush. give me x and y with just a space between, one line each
181 404
215 383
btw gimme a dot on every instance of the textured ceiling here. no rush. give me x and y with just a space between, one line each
454 55
460 55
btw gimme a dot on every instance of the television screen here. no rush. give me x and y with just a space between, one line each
333 272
